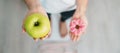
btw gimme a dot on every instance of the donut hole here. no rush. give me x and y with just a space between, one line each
36 23
77 26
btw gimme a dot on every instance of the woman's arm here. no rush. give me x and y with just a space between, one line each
80 13
81 6
32 4
35 6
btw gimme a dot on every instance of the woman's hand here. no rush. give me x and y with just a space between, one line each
36 10
83 18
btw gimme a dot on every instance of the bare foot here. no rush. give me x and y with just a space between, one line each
63 29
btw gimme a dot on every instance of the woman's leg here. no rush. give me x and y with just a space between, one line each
64 16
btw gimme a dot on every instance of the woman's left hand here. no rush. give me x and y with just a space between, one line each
83 18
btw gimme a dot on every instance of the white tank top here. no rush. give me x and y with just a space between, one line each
57 6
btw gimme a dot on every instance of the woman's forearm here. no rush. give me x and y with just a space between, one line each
81 6
31 4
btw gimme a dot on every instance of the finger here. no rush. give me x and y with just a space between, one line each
23 29
44 37
41 38
49 34
70 35
78 38
74 38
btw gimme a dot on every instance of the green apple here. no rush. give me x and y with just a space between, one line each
37 25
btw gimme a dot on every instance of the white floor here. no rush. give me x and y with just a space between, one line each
103 33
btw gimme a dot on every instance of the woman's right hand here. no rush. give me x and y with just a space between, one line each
35 10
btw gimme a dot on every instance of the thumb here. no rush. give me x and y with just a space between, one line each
23 29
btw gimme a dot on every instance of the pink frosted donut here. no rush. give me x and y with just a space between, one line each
77 26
